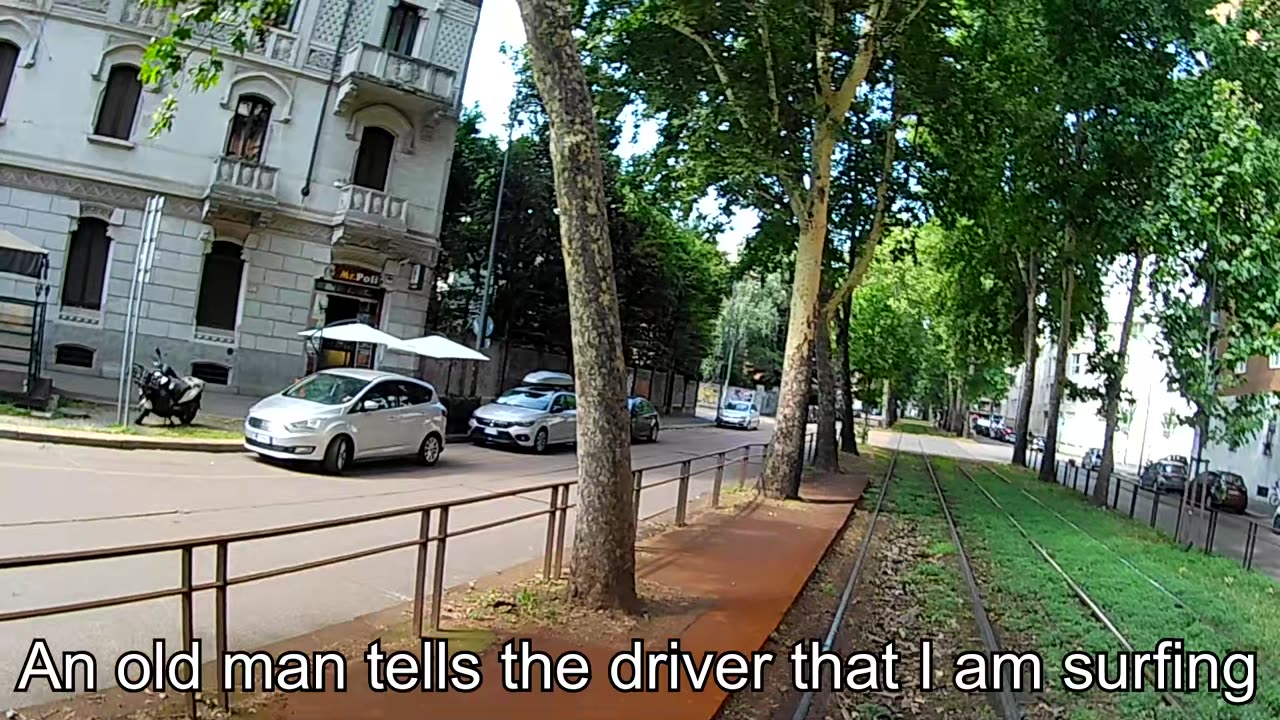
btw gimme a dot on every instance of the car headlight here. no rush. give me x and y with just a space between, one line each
301 425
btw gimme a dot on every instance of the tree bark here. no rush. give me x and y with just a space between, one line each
603 573
825 455
1030 356
1050 458
781 468
848 434
886 400
962 409
1114 385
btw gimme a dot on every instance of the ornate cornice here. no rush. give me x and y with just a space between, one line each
93 191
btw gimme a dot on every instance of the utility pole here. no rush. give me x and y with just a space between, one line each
728 367
483 319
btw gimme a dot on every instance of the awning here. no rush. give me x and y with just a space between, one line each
21 257
353 332
438 346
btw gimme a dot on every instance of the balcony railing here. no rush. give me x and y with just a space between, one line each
276 44
380 207
400 71
242 176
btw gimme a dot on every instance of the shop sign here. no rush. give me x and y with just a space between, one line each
364 293
357 276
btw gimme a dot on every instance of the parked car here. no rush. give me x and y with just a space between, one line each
1275 522
645 423
541 412
1037 443
342 415
1092 459
1007 435
1226 490
738 414
1165 475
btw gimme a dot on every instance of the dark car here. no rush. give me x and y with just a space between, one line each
644 420
1166 475
1226 490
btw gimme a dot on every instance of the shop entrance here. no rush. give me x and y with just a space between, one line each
347 302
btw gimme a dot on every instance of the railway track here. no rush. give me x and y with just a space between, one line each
1170 699
1006 704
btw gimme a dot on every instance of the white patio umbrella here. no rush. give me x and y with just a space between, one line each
353 332
439 347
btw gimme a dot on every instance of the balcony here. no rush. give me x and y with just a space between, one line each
370 74
375 220
240 191
278 45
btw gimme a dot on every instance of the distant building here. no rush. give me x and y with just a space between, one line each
1147 427
306 187
1256 461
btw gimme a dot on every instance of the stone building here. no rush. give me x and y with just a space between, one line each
306 187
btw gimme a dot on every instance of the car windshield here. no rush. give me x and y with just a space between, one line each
531 399
326 388
1233 480
1172 469
738 406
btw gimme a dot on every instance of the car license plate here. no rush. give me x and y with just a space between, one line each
265 439
490 431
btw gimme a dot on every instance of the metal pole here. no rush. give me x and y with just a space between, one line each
728 368
483 318
437 575
122 400
682 499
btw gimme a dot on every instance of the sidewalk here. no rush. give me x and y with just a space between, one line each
740 572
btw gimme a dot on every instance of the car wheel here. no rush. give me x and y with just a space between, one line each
540 441
653 432
337 457
430 449
1275 524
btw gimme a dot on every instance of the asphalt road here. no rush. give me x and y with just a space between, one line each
61 498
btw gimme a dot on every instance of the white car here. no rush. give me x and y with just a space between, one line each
536 415
1275 522
338 416
738 414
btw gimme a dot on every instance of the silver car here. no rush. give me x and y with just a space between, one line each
341 415
738 414
536 415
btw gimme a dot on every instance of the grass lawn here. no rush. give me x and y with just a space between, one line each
97 417
1224 608
919 427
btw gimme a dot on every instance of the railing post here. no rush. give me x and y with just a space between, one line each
1155 507
188 622
637 484
560 528
1115 493
1213 531
220 621
1133 501
715 485
420 576
1177 525
742 472
437 577
683 499
1250 541
549 549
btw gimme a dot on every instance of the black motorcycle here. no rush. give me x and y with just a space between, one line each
164 393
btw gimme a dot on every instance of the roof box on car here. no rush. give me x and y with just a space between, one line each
547 378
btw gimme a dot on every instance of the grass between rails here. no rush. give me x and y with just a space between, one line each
1032 609
1227 608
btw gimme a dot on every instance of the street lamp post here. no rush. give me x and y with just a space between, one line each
482 322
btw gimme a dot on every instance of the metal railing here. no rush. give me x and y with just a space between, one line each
1237 537
434 533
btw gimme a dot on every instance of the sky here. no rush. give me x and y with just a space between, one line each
491 85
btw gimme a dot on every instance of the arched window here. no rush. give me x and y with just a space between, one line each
119 103
219 300
8 61
86 265
247 138
374 158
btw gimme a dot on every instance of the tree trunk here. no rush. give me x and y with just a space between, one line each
962 409
886 398
825 455
603 574
848 434
1114 384
781 471
1030 356
1047 469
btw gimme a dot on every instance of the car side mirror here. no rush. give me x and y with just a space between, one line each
369 406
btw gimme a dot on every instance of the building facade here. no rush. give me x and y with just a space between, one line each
1148 427
1256 461
305 188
